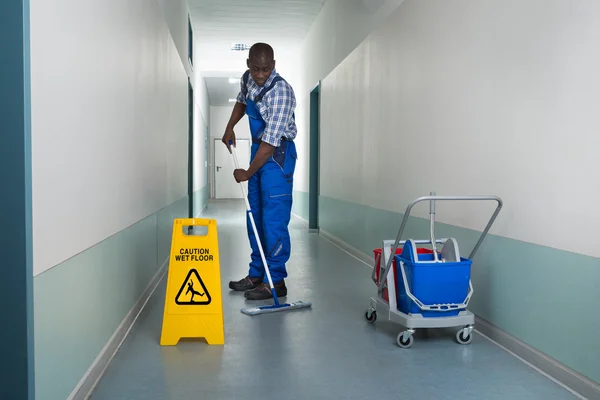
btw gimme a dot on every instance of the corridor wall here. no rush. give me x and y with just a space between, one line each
495 97
338 29
176 14
110 166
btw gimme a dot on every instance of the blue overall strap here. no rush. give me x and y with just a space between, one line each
262 92
266 89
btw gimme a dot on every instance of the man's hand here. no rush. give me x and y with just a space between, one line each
228 136
241 175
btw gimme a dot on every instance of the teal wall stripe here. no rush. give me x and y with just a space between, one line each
16 270
200 200
300 205
543 296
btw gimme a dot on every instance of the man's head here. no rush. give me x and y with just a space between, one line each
261 62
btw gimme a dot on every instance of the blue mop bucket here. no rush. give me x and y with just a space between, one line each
432 283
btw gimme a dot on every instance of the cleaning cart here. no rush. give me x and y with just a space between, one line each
418 287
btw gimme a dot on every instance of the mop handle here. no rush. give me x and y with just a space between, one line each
260 248
235 160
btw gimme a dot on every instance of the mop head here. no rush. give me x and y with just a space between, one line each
276 308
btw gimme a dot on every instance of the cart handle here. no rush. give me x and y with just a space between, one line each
442 198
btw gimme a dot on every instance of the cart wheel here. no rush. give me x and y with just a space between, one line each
405 344
371 315
463 337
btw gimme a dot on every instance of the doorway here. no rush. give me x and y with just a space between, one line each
225 186
207 155
190 150
313 189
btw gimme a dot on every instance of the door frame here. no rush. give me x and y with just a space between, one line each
314 182
218 142
17 346
206 165
190 149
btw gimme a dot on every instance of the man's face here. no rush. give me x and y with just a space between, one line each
260 69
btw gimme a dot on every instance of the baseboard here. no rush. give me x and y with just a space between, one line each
299 218
87 384
351 250
551 368
201 211
305 223
568 378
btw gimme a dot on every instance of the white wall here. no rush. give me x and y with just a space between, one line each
109 121
339 28
461 97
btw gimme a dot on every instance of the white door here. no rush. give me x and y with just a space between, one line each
225 185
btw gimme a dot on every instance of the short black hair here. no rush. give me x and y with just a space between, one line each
261 50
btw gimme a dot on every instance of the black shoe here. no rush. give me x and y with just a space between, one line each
247 283
263 291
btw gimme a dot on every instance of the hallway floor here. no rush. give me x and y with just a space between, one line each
327 352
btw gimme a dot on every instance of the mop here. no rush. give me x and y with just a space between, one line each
277 306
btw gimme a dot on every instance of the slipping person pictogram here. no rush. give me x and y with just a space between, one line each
194 292
185 299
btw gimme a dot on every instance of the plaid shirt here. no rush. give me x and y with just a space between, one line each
276 108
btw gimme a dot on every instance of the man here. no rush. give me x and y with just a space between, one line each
269 102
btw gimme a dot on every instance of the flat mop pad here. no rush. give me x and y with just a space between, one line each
275 307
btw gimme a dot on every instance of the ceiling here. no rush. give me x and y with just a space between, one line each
219 23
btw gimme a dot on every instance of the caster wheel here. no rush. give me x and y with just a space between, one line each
404 343
371 315
463 336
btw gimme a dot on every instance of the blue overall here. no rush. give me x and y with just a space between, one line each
270 198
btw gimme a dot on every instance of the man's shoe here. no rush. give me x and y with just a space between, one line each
263 291
247 283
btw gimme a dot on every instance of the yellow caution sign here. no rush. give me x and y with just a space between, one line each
193 301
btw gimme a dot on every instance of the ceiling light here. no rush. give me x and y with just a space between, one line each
239 47
234 80
232 100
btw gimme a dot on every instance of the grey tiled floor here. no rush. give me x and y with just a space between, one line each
327 352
